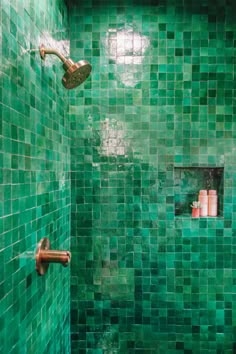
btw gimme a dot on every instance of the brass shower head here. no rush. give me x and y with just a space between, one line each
76 73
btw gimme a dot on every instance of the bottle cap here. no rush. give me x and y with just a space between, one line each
212 192
203 192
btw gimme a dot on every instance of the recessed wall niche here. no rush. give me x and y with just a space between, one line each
189 180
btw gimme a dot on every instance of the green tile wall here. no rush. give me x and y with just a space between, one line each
162 94
34 178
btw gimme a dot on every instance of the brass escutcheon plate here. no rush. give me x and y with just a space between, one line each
44 244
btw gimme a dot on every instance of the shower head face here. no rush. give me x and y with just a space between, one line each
76 74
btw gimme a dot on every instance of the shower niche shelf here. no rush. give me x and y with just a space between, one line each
189 180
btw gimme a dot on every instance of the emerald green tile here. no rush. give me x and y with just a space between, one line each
171 104
106 157
28 93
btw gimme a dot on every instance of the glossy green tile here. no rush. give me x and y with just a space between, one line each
147 108
32 119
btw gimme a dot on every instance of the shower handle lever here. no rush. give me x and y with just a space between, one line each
45 256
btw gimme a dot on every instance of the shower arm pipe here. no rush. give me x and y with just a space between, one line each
43 51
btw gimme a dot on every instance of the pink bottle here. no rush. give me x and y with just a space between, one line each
195 212
203 199
212 203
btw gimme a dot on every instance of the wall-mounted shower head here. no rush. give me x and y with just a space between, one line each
76 73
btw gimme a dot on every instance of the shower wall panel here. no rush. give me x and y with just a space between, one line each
161 95
34 178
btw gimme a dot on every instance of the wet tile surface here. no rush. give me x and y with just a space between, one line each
34 178
161 95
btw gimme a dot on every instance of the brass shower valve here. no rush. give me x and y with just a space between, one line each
45 256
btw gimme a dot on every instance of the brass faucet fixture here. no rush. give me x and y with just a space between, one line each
45 256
